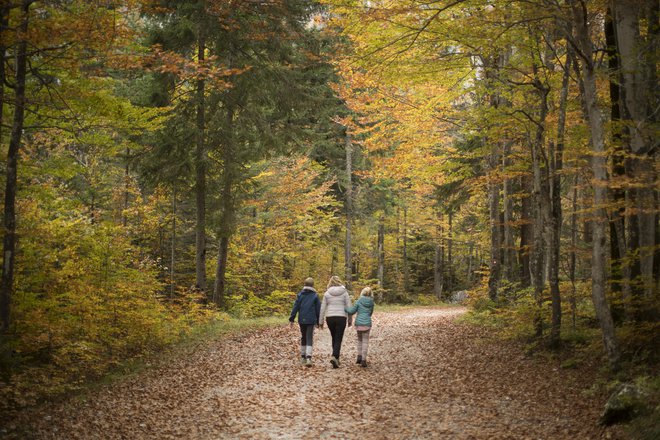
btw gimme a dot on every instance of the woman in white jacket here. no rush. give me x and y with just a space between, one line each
333 308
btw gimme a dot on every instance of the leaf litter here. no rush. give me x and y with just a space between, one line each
429 377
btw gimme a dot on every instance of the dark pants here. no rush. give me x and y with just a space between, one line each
337 325
306 334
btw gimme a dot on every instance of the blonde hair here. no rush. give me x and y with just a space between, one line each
334 281
366 291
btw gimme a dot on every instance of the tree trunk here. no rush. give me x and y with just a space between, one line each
124 217
348 267
526 231
227 219
381 252
406 269
557 163
620 270
468 275
495 237
200 166
450 263
9 241
599 167
638 90
334 261
438 267
4 23
573 252
509 260
540 208
173 247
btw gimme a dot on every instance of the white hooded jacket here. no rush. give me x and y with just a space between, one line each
335 301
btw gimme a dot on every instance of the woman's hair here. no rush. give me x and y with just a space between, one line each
366 291
309 282
334 281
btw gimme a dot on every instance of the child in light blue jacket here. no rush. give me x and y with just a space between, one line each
364 307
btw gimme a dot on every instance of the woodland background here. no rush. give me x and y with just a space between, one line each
170 164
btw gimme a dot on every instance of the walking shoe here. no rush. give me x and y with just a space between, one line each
308 362
359 360
303 361
335 362
363 364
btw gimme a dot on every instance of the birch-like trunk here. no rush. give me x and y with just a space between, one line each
599 168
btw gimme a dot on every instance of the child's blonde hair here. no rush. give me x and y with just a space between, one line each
334 281
366 291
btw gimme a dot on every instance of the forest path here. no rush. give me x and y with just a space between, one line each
429 377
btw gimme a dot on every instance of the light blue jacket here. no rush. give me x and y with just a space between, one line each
364 307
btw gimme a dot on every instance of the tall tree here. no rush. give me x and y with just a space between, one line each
200 156
348 257
16 135
599 167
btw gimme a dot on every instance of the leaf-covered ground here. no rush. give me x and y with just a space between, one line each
429 377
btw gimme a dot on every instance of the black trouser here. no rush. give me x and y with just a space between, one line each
306 334
337 325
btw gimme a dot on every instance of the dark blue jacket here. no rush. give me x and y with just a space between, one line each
307 306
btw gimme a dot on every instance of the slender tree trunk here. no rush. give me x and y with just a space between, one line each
334 261
495 237
9 220
227 220
348 267
557 162
173 247
509 260
438 269
4 23
398 244
526 231
200 163
450 263
381 252
573 252
124 217
406 269
599 167
468 275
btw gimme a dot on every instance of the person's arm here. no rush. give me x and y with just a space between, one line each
352 309
317 308
324 304
296 308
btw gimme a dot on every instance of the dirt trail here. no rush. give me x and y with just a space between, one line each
429 377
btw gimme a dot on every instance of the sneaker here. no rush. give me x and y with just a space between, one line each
308 362
359 360
335 362
303 361
363 364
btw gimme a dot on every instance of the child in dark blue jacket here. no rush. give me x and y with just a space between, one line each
308 308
